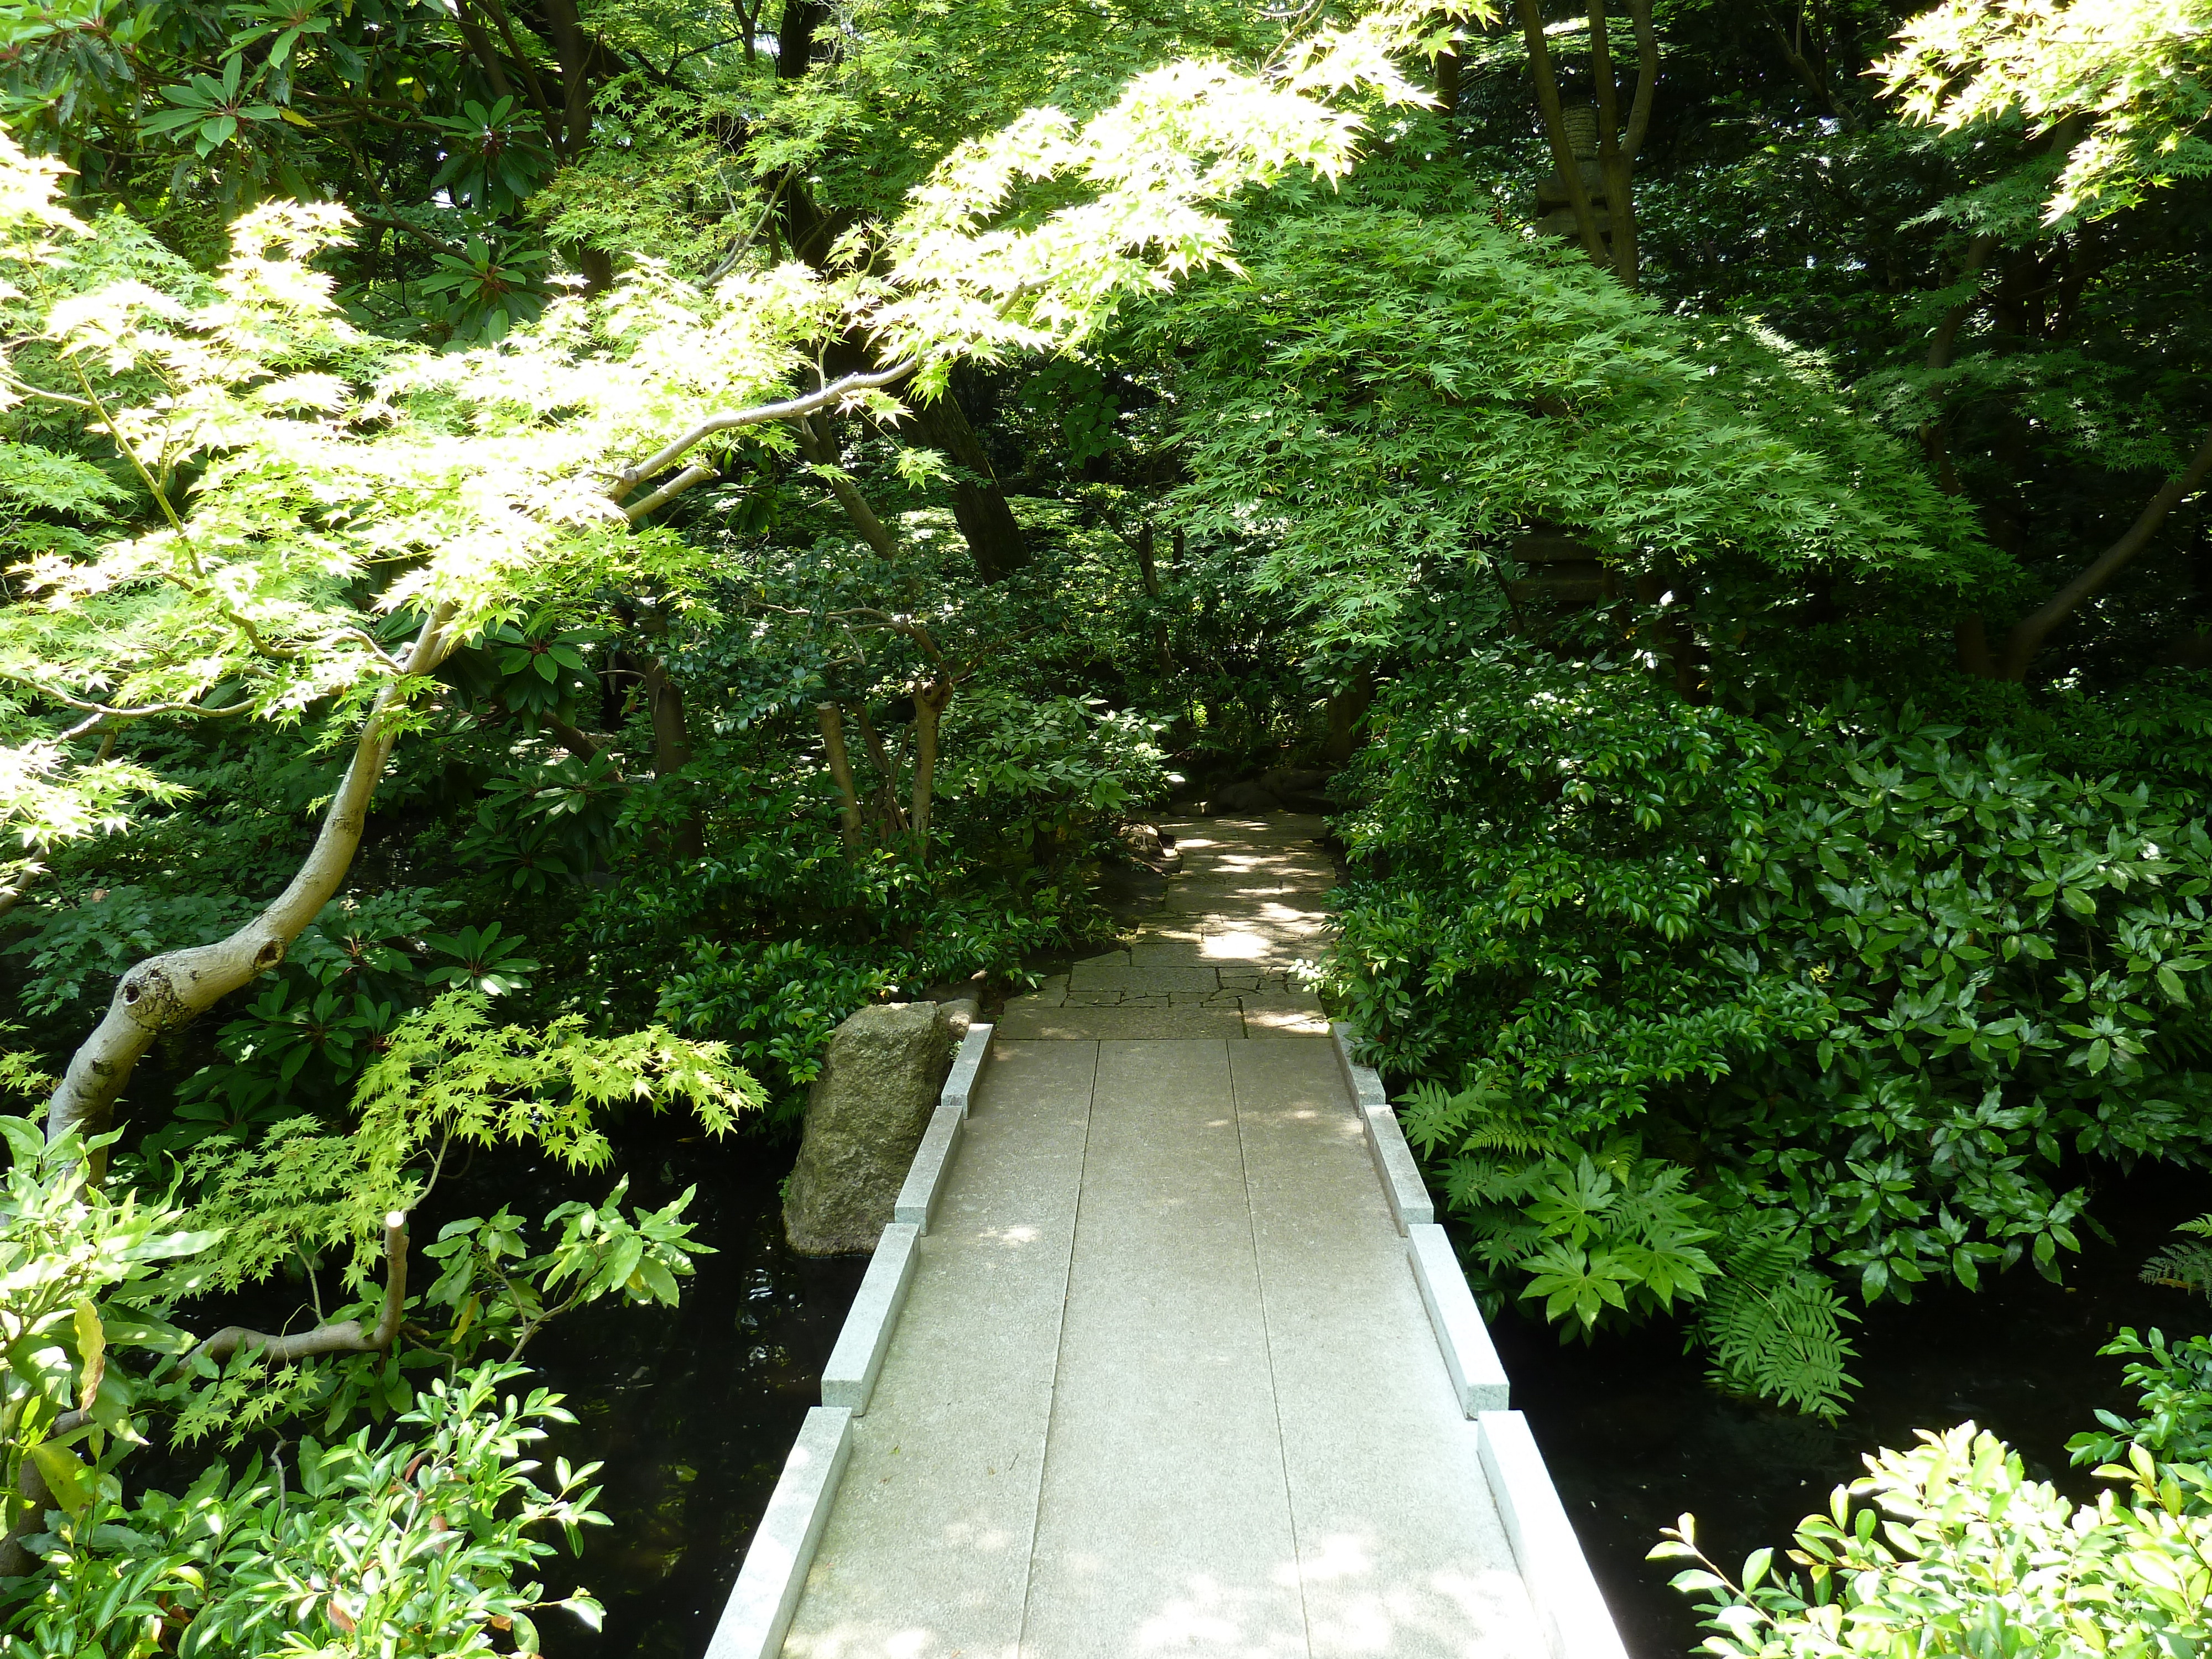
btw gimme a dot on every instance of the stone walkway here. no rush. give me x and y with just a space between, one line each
1214 961
1165 1383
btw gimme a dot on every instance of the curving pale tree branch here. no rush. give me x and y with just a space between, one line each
340 1336
176 986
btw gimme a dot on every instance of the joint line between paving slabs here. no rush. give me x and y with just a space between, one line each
1268 1339
1059 1351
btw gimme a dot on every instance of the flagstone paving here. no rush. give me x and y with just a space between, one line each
1216 959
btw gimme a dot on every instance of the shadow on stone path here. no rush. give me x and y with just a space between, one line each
1214 961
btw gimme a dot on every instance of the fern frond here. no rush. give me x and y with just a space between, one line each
1476 1119
2181 1267
1425 1112
1765 1255
1772 1326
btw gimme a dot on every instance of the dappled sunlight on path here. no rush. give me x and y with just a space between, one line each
1164 1384
1215 959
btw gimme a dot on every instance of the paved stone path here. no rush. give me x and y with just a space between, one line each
1215 960
1165 1383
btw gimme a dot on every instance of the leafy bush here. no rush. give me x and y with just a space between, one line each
77 951
1039 777
1850 976
81 1270
1949 1549
775 1003
419 1544
321 1018
2173 1385
1973 1558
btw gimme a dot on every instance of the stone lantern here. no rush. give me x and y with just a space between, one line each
1555 215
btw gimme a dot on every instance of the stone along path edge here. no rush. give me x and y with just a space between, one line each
1572 1609
774 1574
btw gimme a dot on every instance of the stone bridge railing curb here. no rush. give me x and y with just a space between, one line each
774 1575
1569 1605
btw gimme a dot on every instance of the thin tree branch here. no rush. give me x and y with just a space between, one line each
2029 634
832 719
695 474
346 1336
415 231
1611 164
1647 80
815 443
1555 129
807 402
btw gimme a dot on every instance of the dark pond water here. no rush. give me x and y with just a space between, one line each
692 1409
1634 1438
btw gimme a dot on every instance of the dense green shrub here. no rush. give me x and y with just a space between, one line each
1881 991
417 1542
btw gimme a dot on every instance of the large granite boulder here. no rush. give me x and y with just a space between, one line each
865 1117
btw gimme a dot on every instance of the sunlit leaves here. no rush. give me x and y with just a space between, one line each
2137 72
1393 393
446 1073
1950 1548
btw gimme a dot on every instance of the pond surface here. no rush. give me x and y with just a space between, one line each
1634 1436
691 1409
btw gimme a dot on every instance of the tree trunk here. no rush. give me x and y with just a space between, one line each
2029 634
794 37
994 540
1972 642
1612 155
887 803
930 703
1555 130
574 50
1347 710
1148 569
1448 69
1647 80
671 746
849 828
168 991
1943 347
817 444
16 1561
